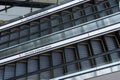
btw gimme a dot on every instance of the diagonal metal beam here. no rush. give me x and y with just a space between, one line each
6 8
25 3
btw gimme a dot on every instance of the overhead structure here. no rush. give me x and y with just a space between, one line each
25 3
10 9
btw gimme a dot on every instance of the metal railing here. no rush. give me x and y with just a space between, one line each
45 11
61 35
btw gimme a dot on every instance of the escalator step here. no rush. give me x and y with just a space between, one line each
112 2
45 75
58 72
9 72
33 77
83 51
57 60
111 44
44 62
20 68
98 49
70 56
85 64
22 79
1 74
32 65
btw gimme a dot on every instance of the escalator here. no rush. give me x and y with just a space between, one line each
66 60
74 39
60 39
54 19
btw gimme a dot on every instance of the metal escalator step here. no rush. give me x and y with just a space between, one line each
21 68
98 49
72 68
21 79
1 74
34 27
57 59
70 55
32 65
9 72
33 77
111 44
112 2
88 10
55 20
101 7
44 61
83 52
76 13
58 72
96 46
85 64
45 75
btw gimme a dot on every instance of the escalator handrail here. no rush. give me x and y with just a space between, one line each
43 13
